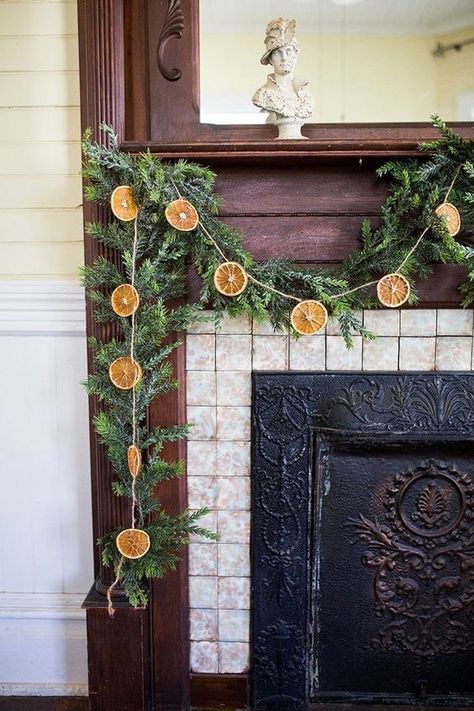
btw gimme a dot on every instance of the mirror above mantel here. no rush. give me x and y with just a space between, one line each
191 68
367 61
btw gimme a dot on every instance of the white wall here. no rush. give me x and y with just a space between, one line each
45 510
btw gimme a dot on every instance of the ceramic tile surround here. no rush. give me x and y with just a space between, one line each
219 366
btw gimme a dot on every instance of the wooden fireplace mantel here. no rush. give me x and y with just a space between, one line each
139 66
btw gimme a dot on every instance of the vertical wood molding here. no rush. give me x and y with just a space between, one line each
118 648
170 596
101 79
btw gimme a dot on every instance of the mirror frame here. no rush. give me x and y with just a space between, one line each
162 86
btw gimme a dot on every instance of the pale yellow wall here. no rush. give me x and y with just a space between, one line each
455 71
383 79
40 185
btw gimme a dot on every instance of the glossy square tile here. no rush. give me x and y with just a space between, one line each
234 593
234 625
233 352
417 353
203 558
206 325
202 592
270 353
204 657
382 322
201 387
233 493
233 423
234 388
233 657
200 352
308 353
233 559
454 322
380 354
234 526
418 322
233 459
203 625
203 423
208 521
201 458
338 357
239 325
453 352
202 492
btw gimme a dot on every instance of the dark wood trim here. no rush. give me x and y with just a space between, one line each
219 691
170 595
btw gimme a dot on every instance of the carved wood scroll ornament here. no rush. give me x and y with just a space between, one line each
172 29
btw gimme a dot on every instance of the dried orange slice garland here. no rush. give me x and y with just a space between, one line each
133 543
182 215
230 279
125 300
125 373
134 460
393 290
450 214
123 203
309 317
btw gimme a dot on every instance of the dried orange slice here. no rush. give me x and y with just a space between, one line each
230 279
125 373
125 300
133 543
123 203
182 215
451 215
393 290
134 460
309 317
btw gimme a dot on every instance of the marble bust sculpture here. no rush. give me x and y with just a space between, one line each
286 99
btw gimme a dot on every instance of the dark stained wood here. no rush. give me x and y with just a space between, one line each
136 71
170 596
219 691
119 654
44 703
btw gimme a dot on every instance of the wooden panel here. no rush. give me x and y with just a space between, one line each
118 654
219 690
292 189
315 240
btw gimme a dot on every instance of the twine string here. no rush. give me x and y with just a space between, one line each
110 606
132 356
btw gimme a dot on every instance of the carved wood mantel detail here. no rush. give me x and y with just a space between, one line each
172 29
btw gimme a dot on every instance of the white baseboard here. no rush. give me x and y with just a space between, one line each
42 307
43 689
43 645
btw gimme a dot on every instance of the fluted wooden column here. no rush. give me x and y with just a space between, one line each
118 648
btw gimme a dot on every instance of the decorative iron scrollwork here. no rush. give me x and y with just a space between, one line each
172 29
423 558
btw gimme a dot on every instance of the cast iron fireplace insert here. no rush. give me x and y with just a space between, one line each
362 539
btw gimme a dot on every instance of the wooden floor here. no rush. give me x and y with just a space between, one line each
43 703
56 703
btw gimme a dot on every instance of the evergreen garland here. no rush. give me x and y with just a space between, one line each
162 254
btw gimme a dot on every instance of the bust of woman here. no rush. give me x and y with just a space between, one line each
287 99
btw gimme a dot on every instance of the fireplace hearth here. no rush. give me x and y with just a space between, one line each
362 539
